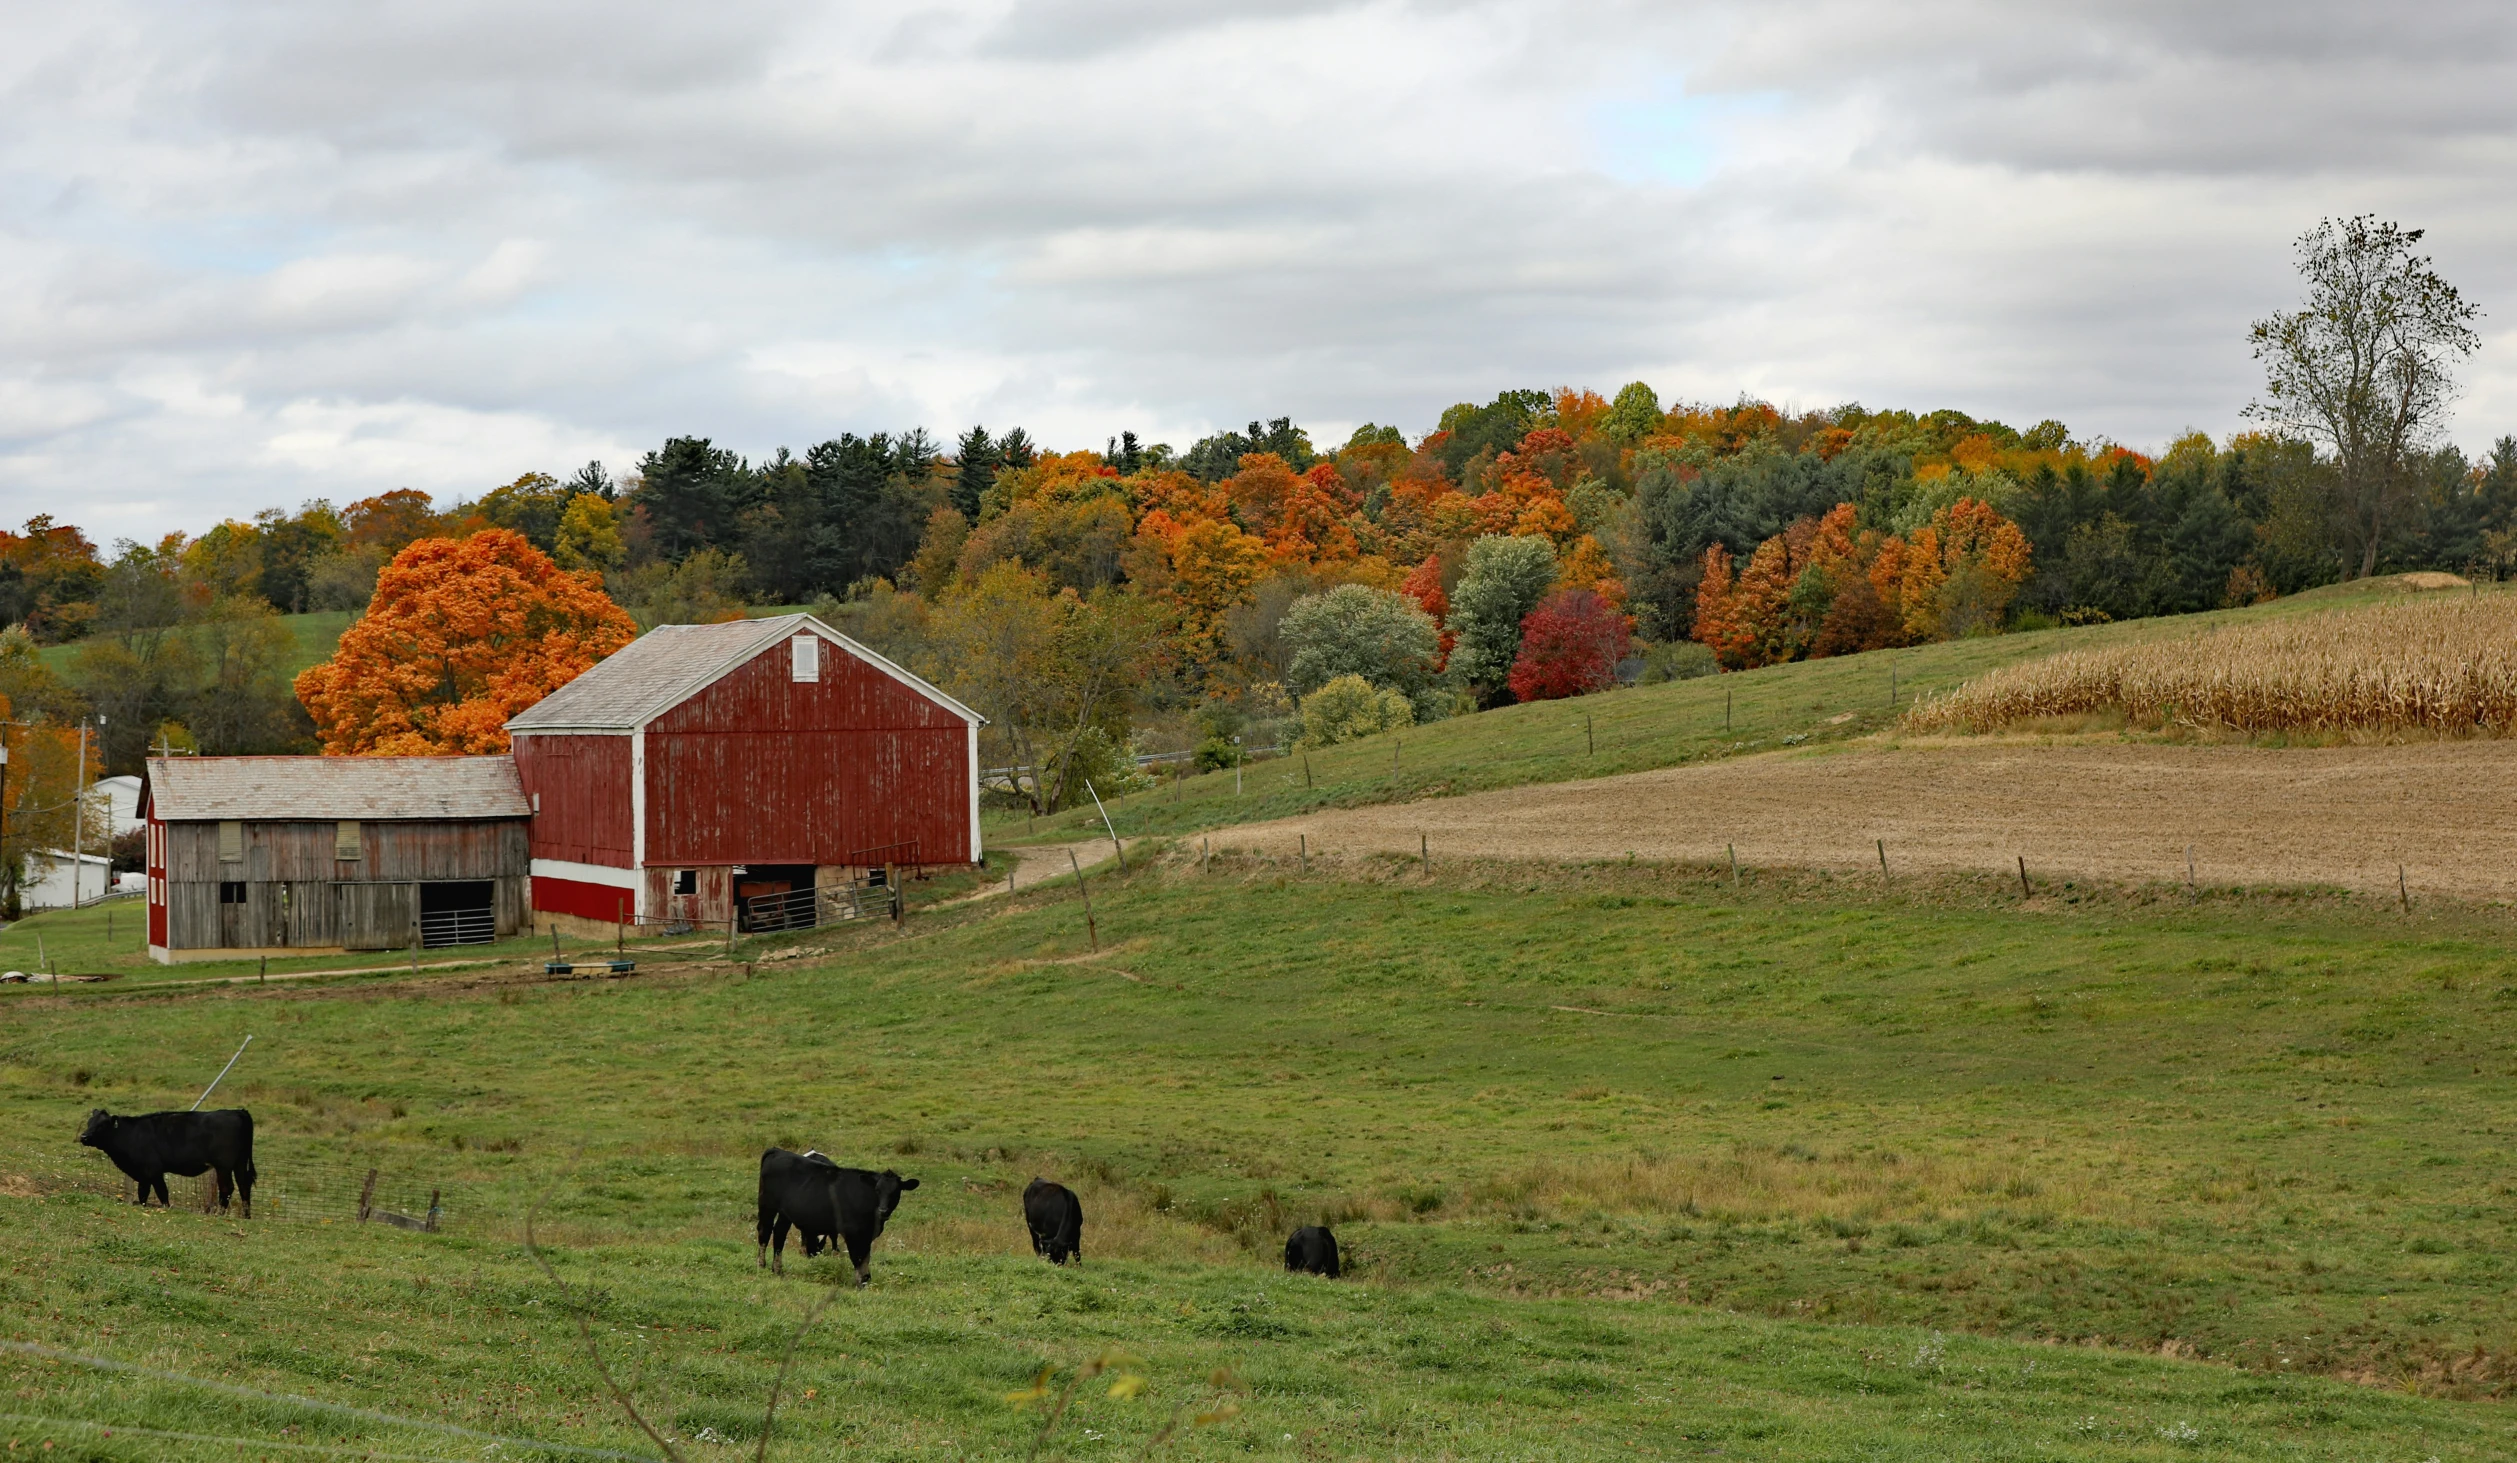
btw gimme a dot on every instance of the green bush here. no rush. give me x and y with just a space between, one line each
1348 707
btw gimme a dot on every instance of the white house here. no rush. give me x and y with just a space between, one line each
121 798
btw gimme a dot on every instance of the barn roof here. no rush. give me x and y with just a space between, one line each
672 663
268 789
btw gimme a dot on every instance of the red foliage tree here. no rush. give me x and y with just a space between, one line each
1570 646
1425 588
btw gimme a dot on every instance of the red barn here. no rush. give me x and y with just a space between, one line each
703 764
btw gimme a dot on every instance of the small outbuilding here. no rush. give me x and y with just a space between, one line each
746 771
297 855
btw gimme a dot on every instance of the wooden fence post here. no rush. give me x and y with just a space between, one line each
1091 930
2024 892
367 1197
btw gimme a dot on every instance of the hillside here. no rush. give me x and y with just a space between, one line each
1631 1161
315 635
1811 704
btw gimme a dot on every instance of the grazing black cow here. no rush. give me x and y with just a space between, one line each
817 1197
1056 1218
152 1145
1312 1251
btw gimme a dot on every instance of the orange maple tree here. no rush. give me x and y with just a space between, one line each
462 634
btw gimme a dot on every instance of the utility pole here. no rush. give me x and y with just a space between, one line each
78 816
8 865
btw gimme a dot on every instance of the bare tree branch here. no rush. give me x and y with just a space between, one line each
594 1353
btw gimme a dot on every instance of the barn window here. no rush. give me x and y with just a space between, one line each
345 838
808 657
231 842
231 892
685 881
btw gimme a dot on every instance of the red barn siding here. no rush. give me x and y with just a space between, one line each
762 768
602 903
580 788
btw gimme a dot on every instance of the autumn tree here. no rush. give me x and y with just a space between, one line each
1570 646
2366 367
462 635
1504 580
1055 672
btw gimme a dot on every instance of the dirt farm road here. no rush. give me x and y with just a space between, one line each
2445 811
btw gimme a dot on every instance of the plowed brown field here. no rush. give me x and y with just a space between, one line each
2445 811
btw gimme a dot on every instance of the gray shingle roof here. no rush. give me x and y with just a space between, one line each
195 789
672 663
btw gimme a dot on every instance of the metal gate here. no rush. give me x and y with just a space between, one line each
767 913
442 927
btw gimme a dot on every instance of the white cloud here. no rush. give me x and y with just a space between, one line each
265 254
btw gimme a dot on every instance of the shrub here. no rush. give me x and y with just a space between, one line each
1674 660
1570 646
1349 707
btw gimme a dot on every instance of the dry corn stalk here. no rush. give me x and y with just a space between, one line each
2444 666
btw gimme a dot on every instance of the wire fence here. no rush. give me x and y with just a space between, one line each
293 1186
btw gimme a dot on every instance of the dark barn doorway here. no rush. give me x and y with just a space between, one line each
458 913
775 897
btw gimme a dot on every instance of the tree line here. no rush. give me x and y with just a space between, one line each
1541 543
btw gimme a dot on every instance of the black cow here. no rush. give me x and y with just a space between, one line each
823 1201
152 1145
1312 1251
1056 1218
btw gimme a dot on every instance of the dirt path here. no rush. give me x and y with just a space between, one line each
2446 811
1042 863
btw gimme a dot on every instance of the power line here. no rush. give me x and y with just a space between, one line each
341 1409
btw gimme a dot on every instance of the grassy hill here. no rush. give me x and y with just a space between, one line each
1631 1162
316 635
1630 729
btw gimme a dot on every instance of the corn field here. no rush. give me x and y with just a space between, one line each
2447 666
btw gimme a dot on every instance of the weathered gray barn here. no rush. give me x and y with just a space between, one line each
270 855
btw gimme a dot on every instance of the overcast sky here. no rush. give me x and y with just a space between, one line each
262 253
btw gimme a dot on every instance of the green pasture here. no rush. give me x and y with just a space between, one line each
1630 729
1631 1163
316 635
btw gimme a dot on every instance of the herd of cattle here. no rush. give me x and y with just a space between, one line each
807 1192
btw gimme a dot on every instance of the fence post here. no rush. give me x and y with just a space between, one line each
899 899
2023 878
1589 742
1883 861
1306 770
1424 852
367 1197
1302 850
1091 930
1734 864
433 1210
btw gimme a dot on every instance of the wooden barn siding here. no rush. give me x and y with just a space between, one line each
293 884
713 905
583 782
468 849
761 768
